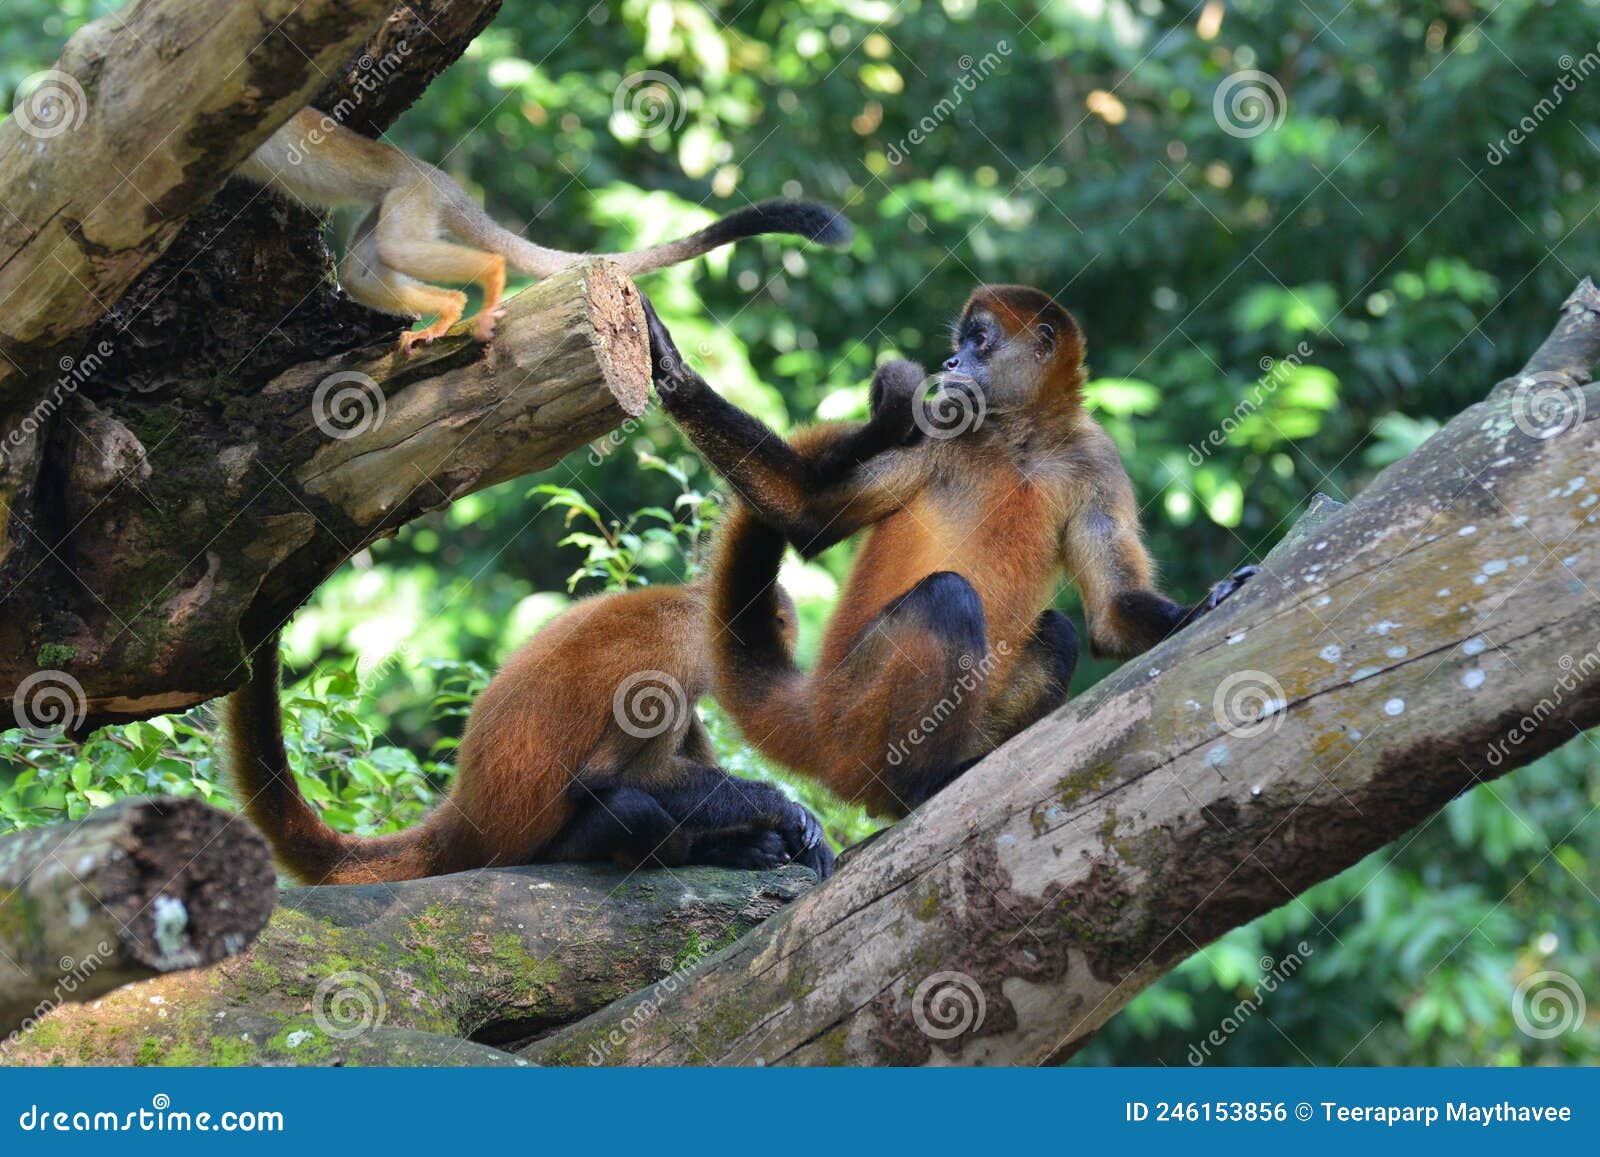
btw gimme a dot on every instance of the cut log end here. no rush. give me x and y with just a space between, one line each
144 887
193 886
621 344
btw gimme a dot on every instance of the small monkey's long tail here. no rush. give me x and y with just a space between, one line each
305 846
803 218
756 680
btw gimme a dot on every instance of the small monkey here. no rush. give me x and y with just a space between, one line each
399 250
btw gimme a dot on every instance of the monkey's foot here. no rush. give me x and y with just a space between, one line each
483 323
416 337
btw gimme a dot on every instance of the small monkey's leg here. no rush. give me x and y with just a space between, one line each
455 264
374 284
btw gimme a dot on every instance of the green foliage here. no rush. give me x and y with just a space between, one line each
1269 313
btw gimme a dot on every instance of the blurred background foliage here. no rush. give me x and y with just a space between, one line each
1364 255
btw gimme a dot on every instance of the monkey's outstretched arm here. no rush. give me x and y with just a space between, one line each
1105 558
833 481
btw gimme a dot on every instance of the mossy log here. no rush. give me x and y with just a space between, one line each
144 887
438 971
1435 633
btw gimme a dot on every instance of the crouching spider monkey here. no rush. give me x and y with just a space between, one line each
585 746
941 646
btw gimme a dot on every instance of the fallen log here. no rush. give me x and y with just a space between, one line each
142 888
437 971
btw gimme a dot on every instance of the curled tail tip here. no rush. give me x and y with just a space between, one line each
808 219
824 225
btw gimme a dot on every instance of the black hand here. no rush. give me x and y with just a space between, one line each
1226 588
896 388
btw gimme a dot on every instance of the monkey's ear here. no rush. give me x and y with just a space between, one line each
1045 340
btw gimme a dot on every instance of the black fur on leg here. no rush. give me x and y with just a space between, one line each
623 824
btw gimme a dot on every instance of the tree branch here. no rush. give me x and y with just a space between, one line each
140 122
407 973
197 529
1434 634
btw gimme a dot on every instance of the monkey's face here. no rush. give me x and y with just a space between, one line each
1001 366
1009 344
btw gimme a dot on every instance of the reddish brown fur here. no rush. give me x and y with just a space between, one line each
1036 490
544 720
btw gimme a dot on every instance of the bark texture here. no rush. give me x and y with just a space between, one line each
201 514
148 316
144 887
436 971
1436 633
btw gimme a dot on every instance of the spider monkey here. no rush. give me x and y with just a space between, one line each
556 764
397 250
941 645
584 746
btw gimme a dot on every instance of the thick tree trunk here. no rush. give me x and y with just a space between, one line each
144 887
134 477
1438 632
407 973
197 523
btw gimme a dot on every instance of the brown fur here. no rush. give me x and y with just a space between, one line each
1037 491
545 721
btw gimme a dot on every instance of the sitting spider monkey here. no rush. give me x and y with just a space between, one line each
944 616
398 251
584 746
